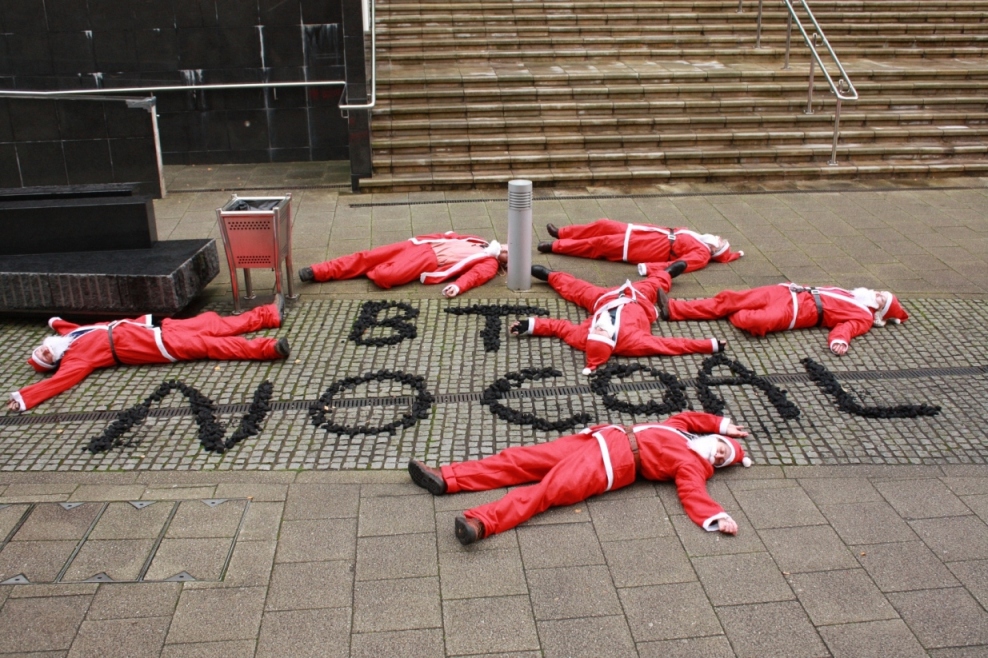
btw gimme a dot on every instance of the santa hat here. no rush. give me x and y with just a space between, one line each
723 253
599 350
736 455
892 311
56 345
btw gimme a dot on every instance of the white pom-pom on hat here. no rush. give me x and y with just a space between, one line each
746 462
587 371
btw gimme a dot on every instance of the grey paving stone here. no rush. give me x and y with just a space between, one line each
195 519
978 505
559 546
389 515
840 597
256 492
634 563
967 485
809 548
665 612
180 493
262 522
590 637
38 561
120 559
396 605
481 574
561 515
920 499
489 625
50 521
124 521
718 490
867 523
466 500
960 652
126 638
304 585
974 576
41 624
227 649
322 501
746 578
93 492
302 633
954 538
196 619
400 556
635 518
778 508
698 541
904 566
942 617
694 647
9 517
250 566
873 639
51 590
572 592
317 540
201 558
765 630
422 644
134 600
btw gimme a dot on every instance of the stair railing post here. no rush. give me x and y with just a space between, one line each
833 150
785 66
740 6
758 32
519 235
809 98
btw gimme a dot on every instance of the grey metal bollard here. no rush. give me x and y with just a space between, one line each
519 235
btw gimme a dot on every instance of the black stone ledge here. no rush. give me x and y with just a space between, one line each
162 280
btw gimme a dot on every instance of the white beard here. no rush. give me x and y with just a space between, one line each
705 446
866 296
603 321
58 345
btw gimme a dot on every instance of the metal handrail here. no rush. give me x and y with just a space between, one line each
837 88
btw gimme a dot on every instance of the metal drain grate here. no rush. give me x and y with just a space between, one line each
656 195
519 393
120 542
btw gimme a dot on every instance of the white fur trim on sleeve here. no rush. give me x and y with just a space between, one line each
454 287
711 525
531 326
740 253
716 344
837 342
16 395
723 425
642 269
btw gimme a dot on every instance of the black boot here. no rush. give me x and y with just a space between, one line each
279 303
469 530
306 274
541 272
282 348
430 479
545 247
663 304
552 230
677 268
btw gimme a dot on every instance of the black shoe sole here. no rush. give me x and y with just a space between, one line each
464 533
426 480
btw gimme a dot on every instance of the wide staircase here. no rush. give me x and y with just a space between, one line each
617 92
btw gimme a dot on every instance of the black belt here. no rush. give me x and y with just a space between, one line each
819 306
672 242
109 336
634 450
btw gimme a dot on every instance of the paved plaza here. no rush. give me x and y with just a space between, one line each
861 535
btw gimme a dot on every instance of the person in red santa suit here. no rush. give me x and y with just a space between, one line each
598 459
621 318
464 261
639 243
78 350
847 313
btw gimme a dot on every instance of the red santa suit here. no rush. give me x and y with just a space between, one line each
573 468
641 243
847 313
137 342
626 312
468 260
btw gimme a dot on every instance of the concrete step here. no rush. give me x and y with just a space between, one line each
621 175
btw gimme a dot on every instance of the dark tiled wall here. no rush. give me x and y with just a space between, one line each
62 142
68 44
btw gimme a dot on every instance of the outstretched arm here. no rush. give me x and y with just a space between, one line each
841 335
691 486
478 275
698 422
69 373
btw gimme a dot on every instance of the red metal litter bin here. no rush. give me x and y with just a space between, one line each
257 233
